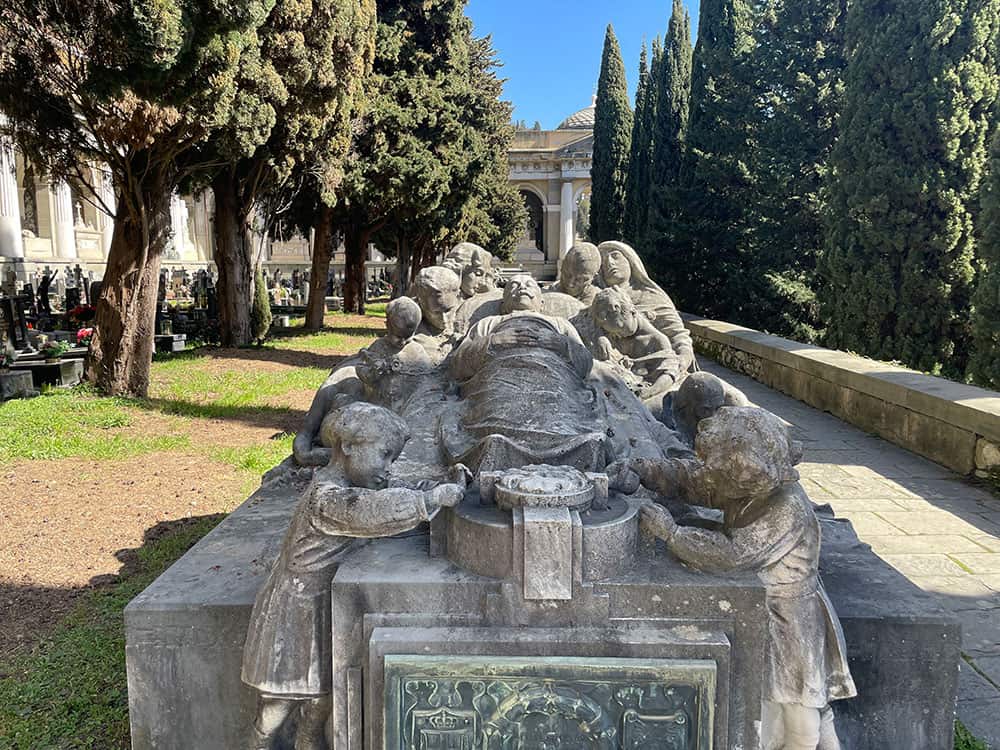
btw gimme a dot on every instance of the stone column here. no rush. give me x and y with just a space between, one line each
107 193
65 234
567 230
11 242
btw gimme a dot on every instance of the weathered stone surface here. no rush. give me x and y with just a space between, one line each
185 633
936 418
16 384
548 554
987 455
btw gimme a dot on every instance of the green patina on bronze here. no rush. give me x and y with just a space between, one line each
552 703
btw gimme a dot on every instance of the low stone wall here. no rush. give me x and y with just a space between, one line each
953 424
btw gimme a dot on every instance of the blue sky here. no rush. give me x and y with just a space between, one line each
551 49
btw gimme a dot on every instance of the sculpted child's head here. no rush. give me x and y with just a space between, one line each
747 452
365 439
477 275
437 291
402 318
700 396
615 313
579 268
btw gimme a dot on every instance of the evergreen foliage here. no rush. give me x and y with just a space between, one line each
137 86
670 122
640 158
612 145
799 61
984 366
919 86
705 240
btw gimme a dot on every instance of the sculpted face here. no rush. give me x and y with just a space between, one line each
438 295
367 462
616 269
616 314
581 265
477 277
522 293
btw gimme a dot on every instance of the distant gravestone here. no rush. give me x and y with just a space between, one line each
13 321
72 297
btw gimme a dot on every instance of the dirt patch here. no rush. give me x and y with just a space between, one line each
67 526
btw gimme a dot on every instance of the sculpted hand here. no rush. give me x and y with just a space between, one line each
447 495
657 520
506 338
623 478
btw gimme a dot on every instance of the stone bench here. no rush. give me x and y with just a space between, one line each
954 424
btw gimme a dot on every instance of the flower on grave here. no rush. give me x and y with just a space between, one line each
54 349
83 313
83 336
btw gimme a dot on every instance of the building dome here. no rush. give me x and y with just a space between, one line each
582 120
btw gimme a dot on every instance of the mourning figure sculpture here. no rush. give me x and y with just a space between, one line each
629 340
622 269
478 276
287 656
580 269
501 360
745 467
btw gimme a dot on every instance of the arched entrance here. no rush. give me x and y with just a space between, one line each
533 238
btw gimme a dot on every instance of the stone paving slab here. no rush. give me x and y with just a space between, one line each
940 530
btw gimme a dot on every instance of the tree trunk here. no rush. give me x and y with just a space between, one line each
322 254
233 257
122 348
356 248
402 282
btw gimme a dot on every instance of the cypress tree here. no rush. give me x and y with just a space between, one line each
985 364
919 86
708 232
612 145
673 100
637 195
800 58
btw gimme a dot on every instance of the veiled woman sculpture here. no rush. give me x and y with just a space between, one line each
622 269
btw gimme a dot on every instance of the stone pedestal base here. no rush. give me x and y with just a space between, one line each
398 611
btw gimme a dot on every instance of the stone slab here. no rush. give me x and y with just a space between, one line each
16 384
934 417
64 373
548 554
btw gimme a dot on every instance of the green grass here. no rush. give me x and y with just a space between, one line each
75 424
964 739
70 692
257 459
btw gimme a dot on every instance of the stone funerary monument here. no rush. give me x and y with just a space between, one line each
524 520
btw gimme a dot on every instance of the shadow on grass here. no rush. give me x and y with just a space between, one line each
282 420
70 690
289 357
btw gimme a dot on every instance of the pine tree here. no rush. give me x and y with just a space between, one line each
707 235
612 144
919 86
799 56
636 193
673 99
985 363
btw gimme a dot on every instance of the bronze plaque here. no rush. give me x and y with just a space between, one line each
547 703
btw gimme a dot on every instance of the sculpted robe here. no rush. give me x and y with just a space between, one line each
525 404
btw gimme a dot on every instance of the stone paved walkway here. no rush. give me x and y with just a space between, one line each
938 529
